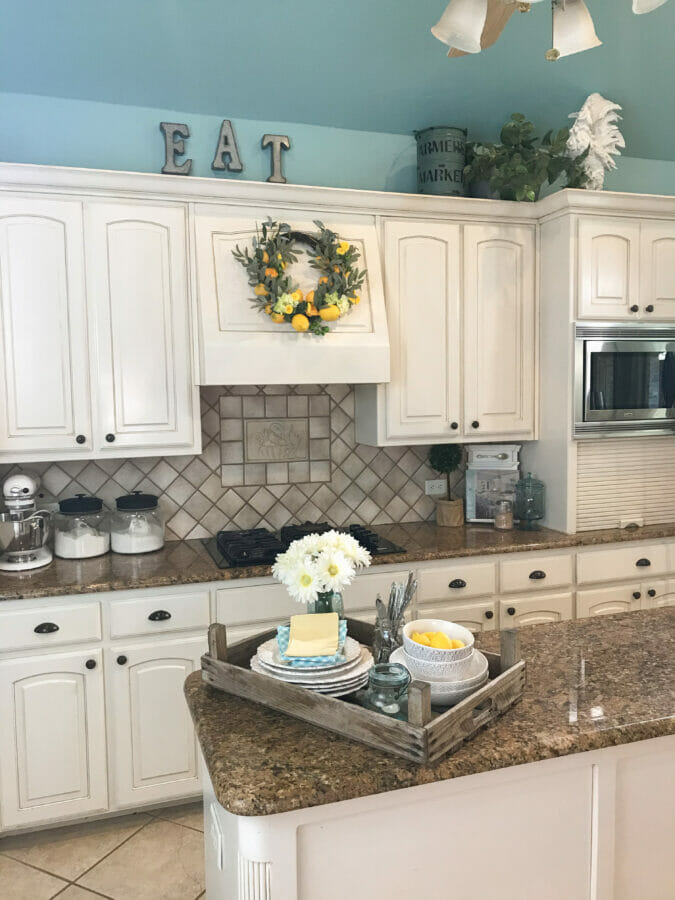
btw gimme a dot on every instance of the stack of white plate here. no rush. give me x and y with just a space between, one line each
332 679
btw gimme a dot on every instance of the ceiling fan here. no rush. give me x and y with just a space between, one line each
469 26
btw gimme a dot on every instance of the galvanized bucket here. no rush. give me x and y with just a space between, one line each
441 156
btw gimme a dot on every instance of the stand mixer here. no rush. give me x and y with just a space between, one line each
24 530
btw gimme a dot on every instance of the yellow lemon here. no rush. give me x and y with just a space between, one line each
277 317
300 322
312 310
421 639
343 246
440 641
329 313
265 256
260 290
271 273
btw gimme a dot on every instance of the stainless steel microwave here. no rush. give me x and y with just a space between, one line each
624 380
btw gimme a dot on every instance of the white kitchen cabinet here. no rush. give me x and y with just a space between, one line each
52 740
44 363
657 270
138 291
610 600
499 330
622 561
609 268
422 283
153 743
480 616
518 611
659 594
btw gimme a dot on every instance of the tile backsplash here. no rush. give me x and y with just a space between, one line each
271 455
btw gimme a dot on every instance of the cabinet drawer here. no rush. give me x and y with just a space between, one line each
255 603
457 581
49 626
159 614
535 574
607 601
362 592
481 616
619 563
518 611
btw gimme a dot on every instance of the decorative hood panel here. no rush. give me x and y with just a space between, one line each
241 345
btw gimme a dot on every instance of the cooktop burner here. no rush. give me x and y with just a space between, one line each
259 547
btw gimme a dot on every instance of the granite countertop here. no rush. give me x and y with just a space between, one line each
188 562
262 762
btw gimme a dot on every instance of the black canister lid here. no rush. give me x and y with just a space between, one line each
80 504
137 501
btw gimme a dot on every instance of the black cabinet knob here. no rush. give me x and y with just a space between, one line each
457 583
159 615
46 628
634 308
454 425
643 563
475 424
80 439
489 614
537 575
649 308
121 660
636 595
110 438
651 592
511 610
90 664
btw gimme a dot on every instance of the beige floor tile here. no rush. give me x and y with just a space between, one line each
19 882
163 861
70 851
191 815
73 892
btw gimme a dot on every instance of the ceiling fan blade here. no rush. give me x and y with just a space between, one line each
498 14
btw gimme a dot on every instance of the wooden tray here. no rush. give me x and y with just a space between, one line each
425 738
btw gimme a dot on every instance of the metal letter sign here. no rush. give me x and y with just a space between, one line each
227 147
175 147
278 141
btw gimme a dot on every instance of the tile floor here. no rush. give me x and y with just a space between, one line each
146 856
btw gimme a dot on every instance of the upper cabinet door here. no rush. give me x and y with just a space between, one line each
138 291
422 283
657 267
499 330
609 269
44 403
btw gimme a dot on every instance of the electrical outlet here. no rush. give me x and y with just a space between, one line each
436 487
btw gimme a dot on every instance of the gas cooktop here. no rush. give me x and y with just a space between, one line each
260 547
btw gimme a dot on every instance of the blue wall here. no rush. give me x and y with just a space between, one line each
53 131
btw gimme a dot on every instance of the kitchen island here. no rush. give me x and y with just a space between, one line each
568 796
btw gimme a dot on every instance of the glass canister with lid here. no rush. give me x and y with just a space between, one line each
137 524
81 528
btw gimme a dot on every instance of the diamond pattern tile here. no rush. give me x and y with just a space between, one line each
201 495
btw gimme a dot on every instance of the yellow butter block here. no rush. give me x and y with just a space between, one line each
314 634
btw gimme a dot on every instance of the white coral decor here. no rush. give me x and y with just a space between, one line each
596 129
319 563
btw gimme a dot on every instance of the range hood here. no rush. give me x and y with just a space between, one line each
240 345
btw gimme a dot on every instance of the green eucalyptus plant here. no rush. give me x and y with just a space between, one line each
517 167
445 459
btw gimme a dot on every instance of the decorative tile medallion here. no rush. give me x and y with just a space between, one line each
276 440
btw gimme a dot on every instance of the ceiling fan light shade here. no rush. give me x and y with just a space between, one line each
573 29
645 6
461 25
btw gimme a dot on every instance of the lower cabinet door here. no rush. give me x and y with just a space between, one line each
474 616
52 738
607 601
535 610
154 748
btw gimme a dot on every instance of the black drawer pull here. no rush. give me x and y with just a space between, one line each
159 615
634 308
81 439
511 610
475 424
46 628
649 308
643 563
636 595
537 575
110 438
454 425
121 660
651 592
90 664
457 583
489 614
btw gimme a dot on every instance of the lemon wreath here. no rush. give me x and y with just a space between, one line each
276 295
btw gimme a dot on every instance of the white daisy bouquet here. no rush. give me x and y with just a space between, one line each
319 564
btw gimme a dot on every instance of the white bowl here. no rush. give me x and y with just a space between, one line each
444 693
433 654
459 674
